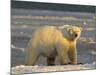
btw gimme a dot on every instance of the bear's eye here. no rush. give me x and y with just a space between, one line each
76 35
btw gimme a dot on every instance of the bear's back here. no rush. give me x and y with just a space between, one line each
47 34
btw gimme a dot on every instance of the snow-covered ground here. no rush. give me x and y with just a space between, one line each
21 69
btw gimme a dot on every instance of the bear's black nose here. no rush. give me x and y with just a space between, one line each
76 35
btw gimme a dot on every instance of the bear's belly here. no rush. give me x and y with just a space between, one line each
49 53
47 50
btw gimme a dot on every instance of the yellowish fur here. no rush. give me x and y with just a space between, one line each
51 41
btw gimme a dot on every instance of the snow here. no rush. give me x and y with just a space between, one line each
42 68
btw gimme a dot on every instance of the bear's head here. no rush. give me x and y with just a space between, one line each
71 32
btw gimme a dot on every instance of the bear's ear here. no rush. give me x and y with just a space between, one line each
63 27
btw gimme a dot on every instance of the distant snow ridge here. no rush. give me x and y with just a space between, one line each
22 49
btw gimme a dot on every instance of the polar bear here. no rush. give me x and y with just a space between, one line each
51 41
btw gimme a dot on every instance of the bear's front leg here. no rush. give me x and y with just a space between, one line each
72 53
62 56
62 49
50 61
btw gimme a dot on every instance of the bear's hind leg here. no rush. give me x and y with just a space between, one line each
32 58
51 61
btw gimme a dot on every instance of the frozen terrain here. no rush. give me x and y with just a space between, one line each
58 68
